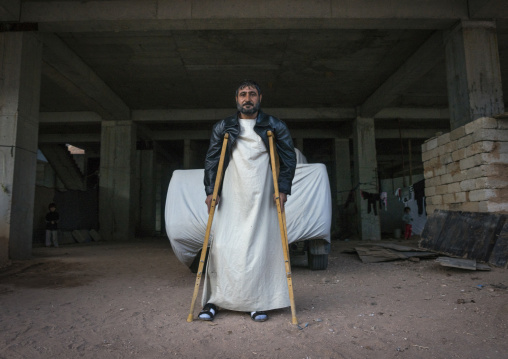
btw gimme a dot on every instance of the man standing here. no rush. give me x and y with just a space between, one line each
245 270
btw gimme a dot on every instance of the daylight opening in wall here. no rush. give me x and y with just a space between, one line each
75 150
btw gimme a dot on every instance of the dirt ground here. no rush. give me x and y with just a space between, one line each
131 300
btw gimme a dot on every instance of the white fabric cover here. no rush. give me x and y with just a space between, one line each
300 158
308 209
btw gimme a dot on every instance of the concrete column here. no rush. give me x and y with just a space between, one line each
147 191
20 77
343 185
365 165
473 72
117 182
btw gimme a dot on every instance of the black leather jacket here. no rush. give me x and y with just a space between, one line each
264 123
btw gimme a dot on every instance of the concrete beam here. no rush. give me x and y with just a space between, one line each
10 10
300 133
422 61
132 15
69 87
413 114
293 114
396 157
205 134
181 134
71 138
75 138
488 9
69 71
382 133
69 117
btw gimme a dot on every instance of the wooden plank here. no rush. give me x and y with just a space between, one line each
481 266
469 264
432 230
468 235
499 255
419 254
457 263
376 253
398 247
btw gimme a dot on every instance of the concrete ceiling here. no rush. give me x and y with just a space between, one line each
200 69
129 56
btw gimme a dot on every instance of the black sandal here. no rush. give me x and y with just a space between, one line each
255 316
209 309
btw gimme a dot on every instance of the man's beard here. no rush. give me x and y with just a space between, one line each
250 111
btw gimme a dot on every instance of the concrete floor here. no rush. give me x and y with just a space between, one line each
120 300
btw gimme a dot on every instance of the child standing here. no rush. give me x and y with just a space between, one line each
52 225
408 220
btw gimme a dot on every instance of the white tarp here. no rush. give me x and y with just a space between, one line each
308 209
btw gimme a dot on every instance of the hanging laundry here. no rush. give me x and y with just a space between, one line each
398 194
404 194
372 200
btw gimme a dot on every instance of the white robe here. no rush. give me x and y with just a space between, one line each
246 269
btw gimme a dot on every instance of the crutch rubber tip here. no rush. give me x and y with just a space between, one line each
189 318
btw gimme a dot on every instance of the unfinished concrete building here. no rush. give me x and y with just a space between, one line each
365 86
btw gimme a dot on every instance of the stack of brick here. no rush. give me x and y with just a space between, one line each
467 168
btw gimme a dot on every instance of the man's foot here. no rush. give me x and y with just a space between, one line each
208 312
259 316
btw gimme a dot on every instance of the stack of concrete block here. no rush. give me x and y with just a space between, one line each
467 168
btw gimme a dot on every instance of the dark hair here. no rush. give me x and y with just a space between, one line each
248 83
407 209
52 205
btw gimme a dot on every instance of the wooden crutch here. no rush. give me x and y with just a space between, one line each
283 229
218 181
